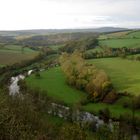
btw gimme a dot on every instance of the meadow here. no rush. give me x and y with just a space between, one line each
54 83
96 49
135 34
11 54
119 43
124 73
114 35
129 39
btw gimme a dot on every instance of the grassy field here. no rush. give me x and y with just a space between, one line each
55 47
97 49
116 109
11 54
135 34
53 81
114 35
119 43
124 73
15 49
129 39
1 65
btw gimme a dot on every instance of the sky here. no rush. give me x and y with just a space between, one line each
62 14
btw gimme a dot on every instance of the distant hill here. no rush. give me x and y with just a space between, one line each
55 31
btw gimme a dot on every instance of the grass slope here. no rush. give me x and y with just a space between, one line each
135 34
129 39
96 49
11 54
125 74
114 35
53 81
119 43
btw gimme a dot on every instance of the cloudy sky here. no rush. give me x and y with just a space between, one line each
58 14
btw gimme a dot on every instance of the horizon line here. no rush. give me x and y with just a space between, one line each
66 28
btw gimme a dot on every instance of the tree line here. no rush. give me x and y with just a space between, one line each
87 77
82 44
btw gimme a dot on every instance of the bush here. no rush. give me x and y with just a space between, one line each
105 114
85 102
111 97
107 87
37 75
136 102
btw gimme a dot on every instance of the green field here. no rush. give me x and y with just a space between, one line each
97 49
55 47
135 34
124 74
11 54
15 49
129 39
114 35
116 109
1 66
119 43
53 81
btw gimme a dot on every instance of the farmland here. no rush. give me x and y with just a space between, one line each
114 35
122 39
103 84
11 54
53 81
119 43
123 73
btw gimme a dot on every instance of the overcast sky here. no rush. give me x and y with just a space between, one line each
58 14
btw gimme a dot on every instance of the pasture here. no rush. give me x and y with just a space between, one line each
129 39
53 81
55 47
11 54
96 49
114 35
119 43
135 34
124 73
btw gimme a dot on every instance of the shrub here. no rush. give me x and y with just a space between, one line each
37 75
105 114
111 97
84 102
107 87
136 102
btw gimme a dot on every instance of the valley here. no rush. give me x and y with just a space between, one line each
93 73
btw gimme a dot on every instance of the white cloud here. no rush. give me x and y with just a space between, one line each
35 14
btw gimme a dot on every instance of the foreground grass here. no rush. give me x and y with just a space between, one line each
53 81
124 73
